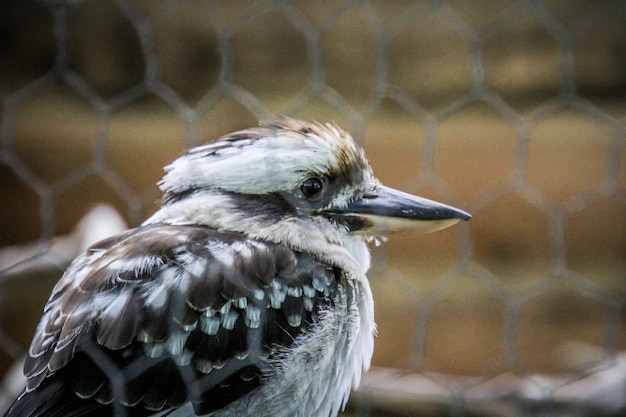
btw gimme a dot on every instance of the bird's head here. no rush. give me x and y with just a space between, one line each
300 183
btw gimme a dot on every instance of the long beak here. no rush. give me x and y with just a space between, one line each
387 211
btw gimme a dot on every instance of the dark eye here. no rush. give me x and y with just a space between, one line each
311 187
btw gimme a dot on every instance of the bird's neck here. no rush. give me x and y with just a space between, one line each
314 235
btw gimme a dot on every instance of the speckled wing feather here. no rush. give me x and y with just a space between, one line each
163 314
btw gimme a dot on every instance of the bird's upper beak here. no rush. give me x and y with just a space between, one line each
387 211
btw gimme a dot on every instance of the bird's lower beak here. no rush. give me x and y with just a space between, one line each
387 211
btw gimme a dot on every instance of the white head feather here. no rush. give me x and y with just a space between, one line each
274 157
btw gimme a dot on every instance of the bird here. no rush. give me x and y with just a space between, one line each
244 294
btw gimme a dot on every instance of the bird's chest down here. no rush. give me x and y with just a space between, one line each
279 351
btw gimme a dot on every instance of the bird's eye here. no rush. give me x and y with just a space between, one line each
311 187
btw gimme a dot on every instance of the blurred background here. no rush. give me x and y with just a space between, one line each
513 110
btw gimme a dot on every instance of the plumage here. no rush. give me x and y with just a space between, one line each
244 295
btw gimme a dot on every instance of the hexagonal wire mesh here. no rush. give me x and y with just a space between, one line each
511 110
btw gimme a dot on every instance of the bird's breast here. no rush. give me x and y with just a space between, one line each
314 375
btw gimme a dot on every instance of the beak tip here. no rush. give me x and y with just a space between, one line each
448 212
463 215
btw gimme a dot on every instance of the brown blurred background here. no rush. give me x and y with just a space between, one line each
515 111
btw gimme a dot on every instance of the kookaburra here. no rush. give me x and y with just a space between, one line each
245 294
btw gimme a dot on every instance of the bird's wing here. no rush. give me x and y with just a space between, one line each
163 314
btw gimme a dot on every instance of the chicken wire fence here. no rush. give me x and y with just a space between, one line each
514 111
